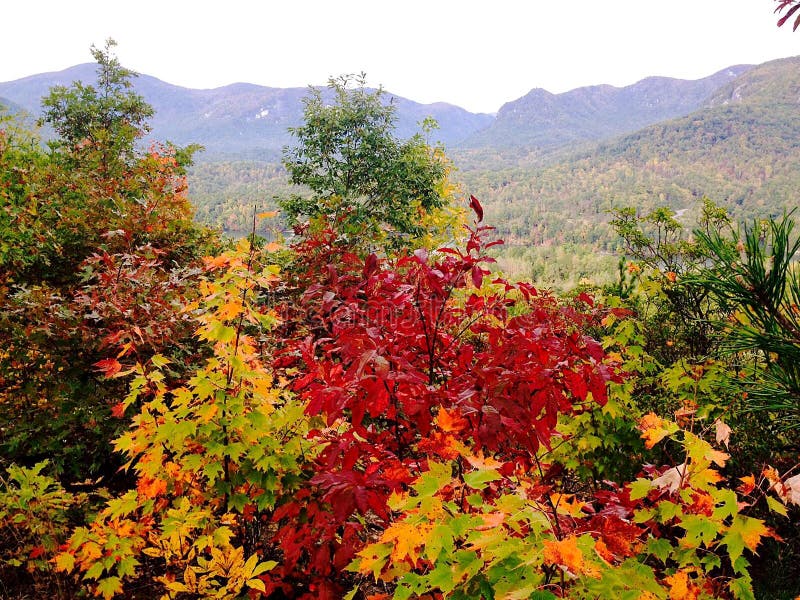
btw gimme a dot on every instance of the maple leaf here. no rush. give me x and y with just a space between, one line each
680 587
450 421
567 555
748 484
108 367
792 486
671 479
65 562
151 488
744 532
481 462
603 551
654 429
723 432
407 538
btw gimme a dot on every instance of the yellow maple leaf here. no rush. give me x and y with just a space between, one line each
568 504
407 539
230 310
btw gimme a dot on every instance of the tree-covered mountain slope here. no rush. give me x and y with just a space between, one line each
742 150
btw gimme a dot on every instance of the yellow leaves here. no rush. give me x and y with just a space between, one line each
568 504
406 539
224 575
65 562
717 457
752 533
654 429
566 554
744 532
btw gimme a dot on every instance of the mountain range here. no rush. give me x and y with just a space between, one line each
240 120
249 121
548 168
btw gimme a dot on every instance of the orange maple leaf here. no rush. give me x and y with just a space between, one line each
653 429
680 588
603 551
748 484
450 421
566 554
151 488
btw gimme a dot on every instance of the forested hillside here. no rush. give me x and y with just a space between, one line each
553 207
742 151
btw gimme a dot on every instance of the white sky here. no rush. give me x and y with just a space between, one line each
477 55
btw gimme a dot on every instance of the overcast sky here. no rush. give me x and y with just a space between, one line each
474 54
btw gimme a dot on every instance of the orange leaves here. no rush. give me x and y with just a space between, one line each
566 554
748 484
654 429
109 367
450 421
681 587
151 487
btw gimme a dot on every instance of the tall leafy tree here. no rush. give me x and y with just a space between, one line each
110 115
359 172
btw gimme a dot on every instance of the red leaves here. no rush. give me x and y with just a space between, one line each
476 207
420 366
793 6
108 367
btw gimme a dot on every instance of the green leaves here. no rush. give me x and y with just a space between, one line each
363 178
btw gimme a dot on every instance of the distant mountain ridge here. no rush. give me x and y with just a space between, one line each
588 114
249 121
240 120
741 149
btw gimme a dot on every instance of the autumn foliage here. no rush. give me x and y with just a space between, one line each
327 421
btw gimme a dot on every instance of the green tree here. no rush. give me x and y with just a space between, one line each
361 176
111 115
